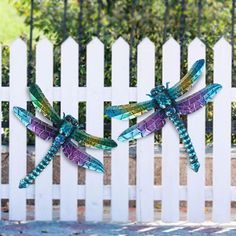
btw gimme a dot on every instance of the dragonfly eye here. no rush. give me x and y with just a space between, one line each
74 122
68 118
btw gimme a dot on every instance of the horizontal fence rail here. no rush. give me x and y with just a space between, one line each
120 192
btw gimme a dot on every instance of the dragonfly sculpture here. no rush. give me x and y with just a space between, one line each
164 101
61 133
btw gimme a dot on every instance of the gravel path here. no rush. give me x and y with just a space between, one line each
55 228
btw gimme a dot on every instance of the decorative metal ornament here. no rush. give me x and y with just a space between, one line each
163 100
61 133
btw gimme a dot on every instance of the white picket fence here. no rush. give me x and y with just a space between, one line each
120 192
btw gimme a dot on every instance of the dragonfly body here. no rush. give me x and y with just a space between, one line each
164 102
65 129
167 106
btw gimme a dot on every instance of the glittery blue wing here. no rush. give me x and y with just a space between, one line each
40 128
152 123
187 81
197 100
130 111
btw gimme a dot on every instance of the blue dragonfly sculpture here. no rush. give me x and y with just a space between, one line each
164 101
62 133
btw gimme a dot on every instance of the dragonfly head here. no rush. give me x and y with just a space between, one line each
157 90
71 120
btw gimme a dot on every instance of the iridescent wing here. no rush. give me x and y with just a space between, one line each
198 99
147 126
81 158
41 103
130 111
89 140
187 81
40 128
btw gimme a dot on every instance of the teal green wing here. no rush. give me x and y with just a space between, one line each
130 111
89 140
41 103
187 81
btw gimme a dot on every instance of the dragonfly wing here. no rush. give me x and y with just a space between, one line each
40 128
130 111
81 158
89 140
147 126
198 99
41 103
188 80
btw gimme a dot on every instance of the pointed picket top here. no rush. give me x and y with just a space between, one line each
69 42
44 43
120 43
146 43
222 42
18 43
196 43
95 42
171 42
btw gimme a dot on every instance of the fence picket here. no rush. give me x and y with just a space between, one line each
170 143
43 184
196 129
69 105
145 146
222 133
120 155
17 138
94 125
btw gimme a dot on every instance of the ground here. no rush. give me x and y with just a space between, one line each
56 228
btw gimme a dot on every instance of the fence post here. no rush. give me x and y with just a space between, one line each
170 139
196 129
145 146
69 105
44 78
120 155
17 137
94 125
222 133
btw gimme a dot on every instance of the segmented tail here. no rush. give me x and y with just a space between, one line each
183 134
29 179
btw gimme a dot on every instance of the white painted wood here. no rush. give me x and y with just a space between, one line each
94 125
94 192
222 133
145 146
120 155
43 183
196 130
69 105
17 138
157 190
170 143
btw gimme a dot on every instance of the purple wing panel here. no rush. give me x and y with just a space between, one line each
40 128
198 99
152 123
77 156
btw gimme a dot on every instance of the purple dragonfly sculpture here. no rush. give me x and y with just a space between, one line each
164 101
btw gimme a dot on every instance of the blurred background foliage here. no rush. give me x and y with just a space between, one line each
132 19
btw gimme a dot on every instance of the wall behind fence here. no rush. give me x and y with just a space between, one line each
94 192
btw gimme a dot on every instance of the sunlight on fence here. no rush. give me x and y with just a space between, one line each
120 192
